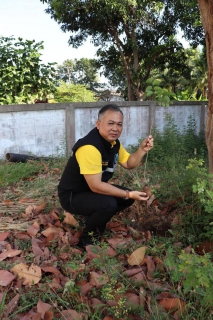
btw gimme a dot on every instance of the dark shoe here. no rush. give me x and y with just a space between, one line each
83 220
87 241
83 242
101 230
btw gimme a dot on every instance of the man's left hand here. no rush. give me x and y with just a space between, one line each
147 144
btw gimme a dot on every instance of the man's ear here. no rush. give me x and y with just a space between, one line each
98 124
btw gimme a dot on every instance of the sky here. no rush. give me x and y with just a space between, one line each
28 20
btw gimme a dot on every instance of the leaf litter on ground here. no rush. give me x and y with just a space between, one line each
39 256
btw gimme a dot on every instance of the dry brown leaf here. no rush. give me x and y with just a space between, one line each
96 303
30 275
159 263
132 272
150 200
150 266
172 304
22 235
53 215
39 208
48 315
42 307
33 229
139 277
69 219
30 210
148 190
6 278
51 269
71 315
11 305
4 235
31 315
98 280
116 242
132 299
37 251
86 288
7 202
137 257
9 253
51 230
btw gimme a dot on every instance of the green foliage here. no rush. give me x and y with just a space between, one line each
195 272
22 75
83 71
68 92
156 93
203 188
166 162
199 221
187 81
2 304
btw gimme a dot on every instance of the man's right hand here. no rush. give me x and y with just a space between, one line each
138 195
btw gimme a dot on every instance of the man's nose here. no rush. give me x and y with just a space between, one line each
115 127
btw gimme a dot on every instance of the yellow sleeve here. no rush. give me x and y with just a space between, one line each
89 160
123 155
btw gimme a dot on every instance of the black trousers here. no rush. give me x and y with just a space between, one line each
98 208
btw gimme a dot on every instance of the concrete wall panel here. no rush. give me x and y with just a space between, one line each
52 129
39 133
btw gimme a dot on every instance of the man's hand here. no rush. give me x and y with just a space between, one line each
147 144
138 195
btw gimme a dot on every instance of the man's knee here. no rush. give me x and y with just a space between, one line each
110 205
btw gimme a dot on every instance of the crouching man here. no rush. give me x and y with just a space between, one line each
84 189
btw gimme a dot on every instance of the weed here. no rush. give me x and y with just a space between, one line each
194 273
2 303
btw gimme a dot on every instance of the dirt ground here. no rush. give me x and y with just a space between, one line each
156 218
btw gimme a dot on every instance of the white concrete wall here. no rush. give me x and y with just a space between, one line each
51 129
180 114
40 133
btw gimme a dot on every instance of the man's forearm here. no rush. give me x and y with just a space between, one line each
107 188
135 158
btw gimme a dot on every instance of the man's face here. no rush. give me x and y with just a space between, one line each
110 125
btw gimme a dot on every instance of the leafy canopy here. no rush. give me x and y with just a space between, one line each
80 71
133 35
22 75
69 92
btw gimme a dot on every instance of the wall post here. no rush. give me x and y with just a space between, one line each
70 128
202 116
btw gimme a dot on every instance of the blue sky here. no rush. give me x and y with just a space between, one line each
27 19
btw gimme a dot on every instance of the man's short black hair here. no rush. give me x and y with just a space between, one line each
107 107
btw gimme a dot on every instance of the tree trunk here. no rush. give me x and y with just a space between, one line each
206 12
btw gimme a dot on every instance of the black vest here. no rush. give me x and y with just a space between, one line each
72 180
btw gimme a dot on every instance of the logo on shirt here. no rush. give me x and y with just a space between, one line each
116 159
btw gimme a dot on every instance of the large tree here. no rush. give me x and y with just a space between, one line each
22 75
80 71
206 12
138 35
